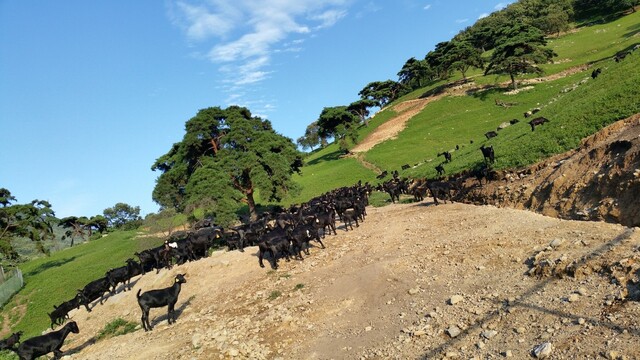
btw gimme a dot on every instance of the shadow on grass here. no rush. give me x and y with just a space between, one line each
328 157
49 265
633 30
523 301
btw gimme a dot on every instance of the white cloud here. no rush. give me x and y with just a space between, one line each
460 21
500 6
200 22
427 7
246 33
483 15
329 18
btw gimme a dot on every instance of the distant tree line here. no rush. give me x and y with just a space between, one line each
36 221
516 35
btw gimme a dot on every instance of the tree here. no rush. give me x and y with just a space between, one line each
437 60
360 108
123 216
461 55
225 156
519 51
32 221
415 73
75 227
98 223
382 92
340 123
555 20
311 137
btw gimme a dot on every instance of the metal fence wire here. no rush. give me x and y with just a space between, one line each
12 284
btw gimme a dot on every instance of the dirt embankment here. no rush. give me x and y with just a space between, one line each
598 181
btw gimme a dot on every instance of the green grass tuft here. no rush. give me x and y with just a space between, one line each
274 295
116 327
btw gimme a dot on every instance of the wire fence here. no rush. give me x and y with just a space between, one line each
12 283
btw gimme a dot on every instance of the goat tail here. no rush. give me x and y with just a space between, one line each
138 294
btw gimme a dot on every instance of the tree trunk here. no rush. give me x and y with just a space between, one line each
513 82
253 215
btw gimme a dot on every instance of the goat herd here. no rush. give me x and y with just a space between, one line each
284 233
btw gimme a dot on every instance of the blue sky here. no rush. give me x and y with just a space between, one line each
93 92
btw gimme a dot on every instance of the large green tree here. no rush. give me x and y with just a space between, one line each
415 73
340 123
382 92
461 55
225 156
521 48
311 137
32 220
360 108
122 216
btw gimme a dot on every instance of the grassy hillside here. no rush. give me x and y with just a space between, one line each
443 124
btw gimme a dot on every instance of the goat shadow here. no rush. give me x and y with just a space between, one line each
426 203
121 287
178 312
79 348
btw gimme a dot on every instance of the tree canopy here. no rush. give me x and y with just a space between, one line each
32 220
121 216
519 51
340 123
225 156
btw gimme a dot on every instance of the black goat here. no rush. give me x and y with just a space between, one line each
123 275
595 73
10 342
514 121
490 134
160 298
382 175
44 344
440 169
274 247
324 220
537 121
201 240
447 156
300 237
348 217
488 153
405 166
621 55
94 290
440 189
61 312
